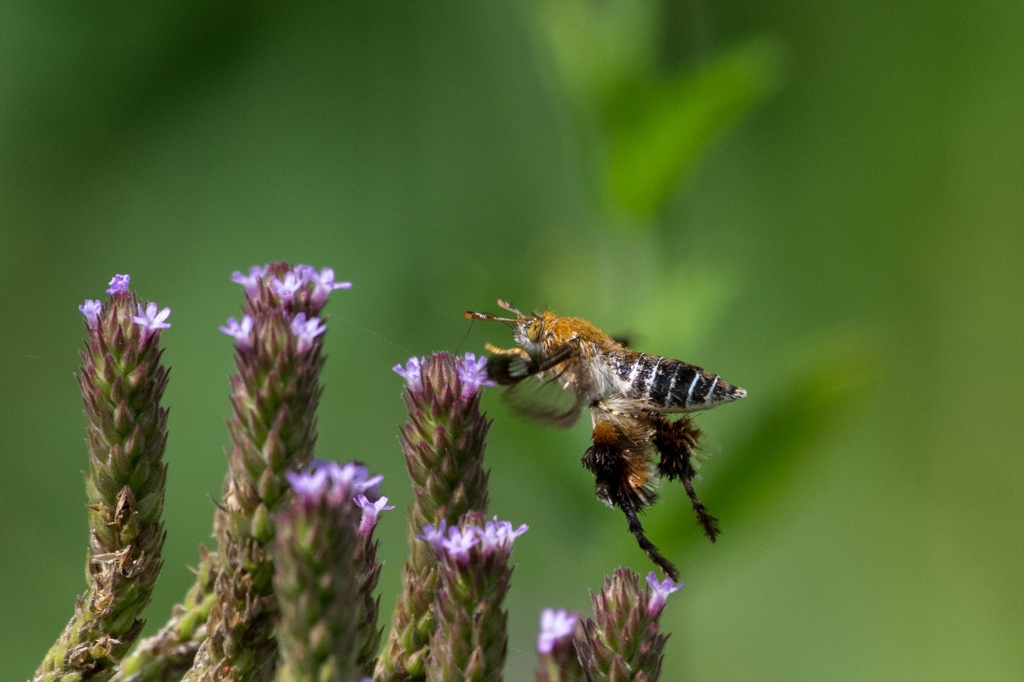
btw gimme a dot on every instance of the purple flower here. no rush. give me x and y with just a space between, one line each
659 592
251 282
306 330
308 484
119 284
497 535
370 512
324 284
411 373
434 536
91 310
473 373
304 272
459 542
151 320
242 332
555 626
353 475
293 281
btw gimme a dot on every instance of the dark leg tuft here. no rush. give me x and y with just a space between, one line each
676 441
611 467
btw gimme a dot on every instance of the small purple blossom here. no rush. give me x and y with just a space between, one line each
494 536
324 284
251 282
150 320
370 512
119 284
353 475
659 592
434 536
242 332
91 310
555 626
459 542
304 272
293 281
308 484
411 373
306 330
473 373
498 535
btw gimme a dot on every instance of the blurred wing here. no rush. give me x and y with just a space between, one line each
532 392
543 399
633 432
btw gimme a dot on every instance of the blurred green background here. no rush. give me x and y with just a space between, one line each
821 201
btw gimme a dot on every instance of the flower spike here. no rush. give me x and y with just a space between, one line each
443 443
122 382
469 641
622 641
227 621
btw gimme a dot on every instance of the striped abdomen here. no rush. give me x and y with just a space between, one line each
668 385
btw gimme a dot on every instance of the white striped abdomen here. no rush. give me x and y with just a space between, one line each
668 385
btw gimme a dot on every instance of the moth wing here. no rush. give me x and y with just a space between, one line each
544 399
634 432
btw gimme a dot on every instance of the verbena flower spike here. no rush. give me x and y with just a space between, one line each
621 642
225 621
443 443
289 594
273 431
122 382
470 640
317 577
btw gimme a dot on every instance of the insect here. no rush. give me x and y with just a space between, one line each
629 395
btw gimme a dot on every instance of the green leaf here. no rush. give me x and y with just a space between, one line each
657 129
784 443
789 436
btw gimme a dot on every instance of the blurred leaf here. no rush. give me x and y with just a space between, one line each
783 444
790 435
659 128
594 45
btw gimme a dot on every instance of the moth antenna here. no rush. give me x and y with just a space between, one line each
509 307
486 317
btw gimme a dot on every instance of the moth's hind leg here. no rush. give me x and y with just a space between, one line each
624 479
676 441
